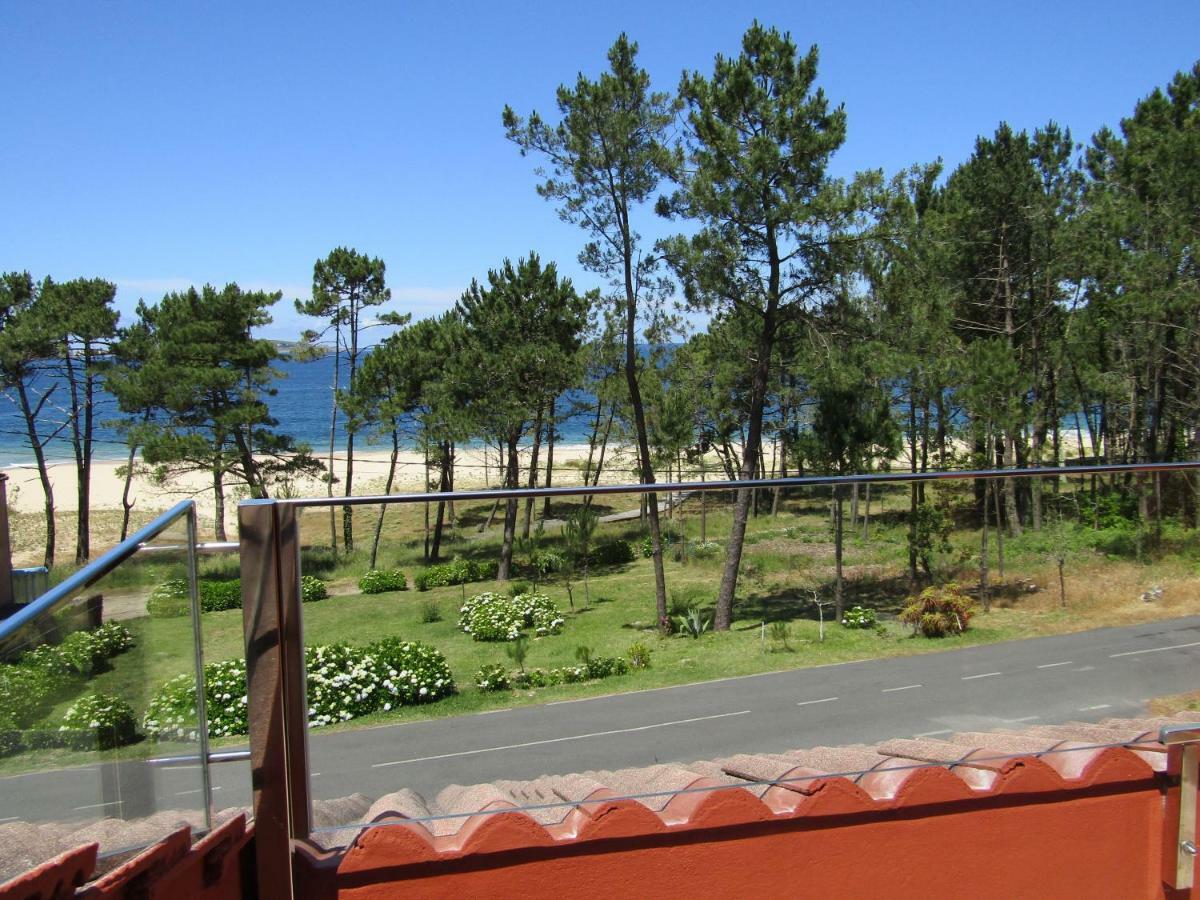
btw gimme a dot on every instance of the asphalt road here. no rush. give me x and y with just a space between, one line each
1082 677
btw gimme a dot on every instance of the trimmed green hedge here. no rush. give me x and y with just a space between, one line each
457 571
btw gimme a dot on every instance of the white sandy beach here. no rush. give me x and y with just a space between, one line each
474 467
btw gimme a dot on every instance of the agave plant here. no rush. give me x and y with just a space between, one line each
693 622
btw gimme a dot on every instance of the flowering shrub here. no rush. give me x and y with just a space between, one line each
939 610
377 581
457 571
706 549
312 589
171 714
639 655
98 720
169 600
418 673
344 682
498 617
858 617
492 677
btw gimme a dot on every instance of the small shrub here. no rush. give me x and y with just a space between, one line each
457 571
492 677
519 587
859 617
547 562
583 653
613 553
781 634
639 655
111 639
497 617
429 612
693 623
606 666
10 738
98 720
171 714
417 672
706 549
26 691
312 589
379 581
939 610
172 598
518 650
218 596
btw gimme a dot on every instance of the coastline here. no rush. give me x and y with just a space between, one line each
475 467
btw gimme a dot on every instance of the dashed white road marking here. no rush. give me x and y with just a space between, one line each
9 819
1055 665
195 791
906 687
933 733
573 737
96 805
1022 719
1085 669
1154 650
984 675
810 702
1097 706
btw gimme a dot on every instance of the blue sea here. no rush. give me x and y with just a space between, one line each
301 404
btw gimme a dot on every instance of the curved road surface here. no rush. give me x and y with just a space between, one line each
1084 677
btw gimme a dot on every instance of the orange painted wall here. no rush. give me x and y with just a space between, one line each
1101 837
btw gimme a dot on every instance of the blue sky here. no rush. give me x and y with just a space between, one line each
160 145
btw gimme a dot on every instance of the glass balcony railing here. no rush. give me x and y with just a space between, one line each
438 666
91 747
428 682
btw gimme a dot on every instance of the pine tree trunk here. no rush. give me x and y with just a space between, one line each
550 434
758 394
838 599
643 442
999 534
126 503
35 444
1010 486
511 480
387 489
867 517
218 486
439 519
337 369
533 472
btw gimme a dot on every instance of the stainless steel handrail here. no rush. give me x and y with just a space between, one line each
273 623
93 571
751 483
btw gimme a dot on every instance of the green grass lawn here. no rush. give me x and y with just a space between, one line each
786 556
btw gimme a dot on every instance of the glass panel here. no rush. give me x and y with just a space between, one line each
948 610
89 694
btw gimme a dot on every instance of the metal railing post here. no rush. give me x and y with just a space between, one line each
270 570
198 653
1180 863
